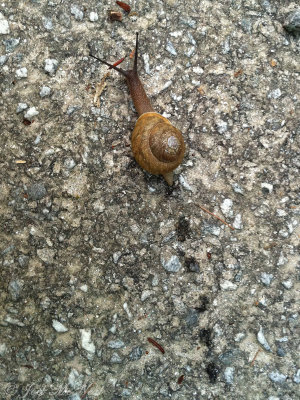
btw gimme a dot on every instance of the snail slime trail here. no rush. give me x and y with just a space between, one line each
157 145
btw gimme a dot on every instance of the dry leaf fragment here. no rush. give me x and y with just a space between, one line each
201 90
238 73
114 15
99 89
273 63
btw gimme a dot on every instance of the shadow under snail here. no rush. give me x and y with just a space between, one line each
157 145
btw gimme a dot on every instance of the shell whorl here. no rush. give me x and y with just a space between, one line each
156 144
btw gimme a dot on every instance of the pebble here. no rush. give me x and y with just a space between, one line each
78 14
237 188
292 22
84 288
288 284
3 59
136 353
170 48
222 126
13 321
31 113
86 342
267 187
58 326
51 65
23 260
183 182
228 285
277 377
75 379
228 375
226 207
115 358
36 191
116 257
116 344
45 91
171 264
274 94
15 287
3 349
47 23
198 70
46 255
93 16
21 107
11 44
237 223
280 352
21 73
126 309
192 318
262 340
4 25
75 396
266 279
296 377
146 294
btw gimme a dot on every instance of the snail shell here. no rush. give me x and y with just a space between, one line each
157 145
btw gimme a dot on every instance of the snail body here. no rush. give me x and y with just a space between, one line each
157 145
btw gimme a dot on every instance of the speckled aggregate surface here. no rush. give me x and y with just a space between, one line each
97 256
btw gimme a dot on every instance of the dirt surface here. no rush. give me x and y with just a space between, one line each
98 256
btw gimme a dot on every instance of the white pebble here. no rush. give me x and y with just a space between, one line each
266 279
228 374
58 326
198 70
228 285
45 91
226 207
78 14
4 26
21 73
222 126
277 377
262 340
237 223
93 16
145 294
267 186
274 94
126 308
288 284
84 288
32 112
86 342
21 107
170 48
51 65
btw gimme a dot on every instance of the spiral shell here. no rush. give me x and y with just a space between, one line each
157 145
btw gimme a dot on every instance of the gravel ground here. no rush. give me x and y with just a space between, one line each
97 255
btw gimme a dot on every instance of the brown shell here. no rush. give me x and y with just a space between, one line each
156 144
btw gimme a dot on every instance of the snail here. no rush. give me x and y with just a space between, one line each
157 145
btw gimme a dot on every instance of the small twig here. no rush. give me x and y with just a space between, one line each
87 390
254 358
214 215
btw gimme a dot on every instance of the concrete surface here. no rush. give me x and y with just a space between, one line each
97 255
